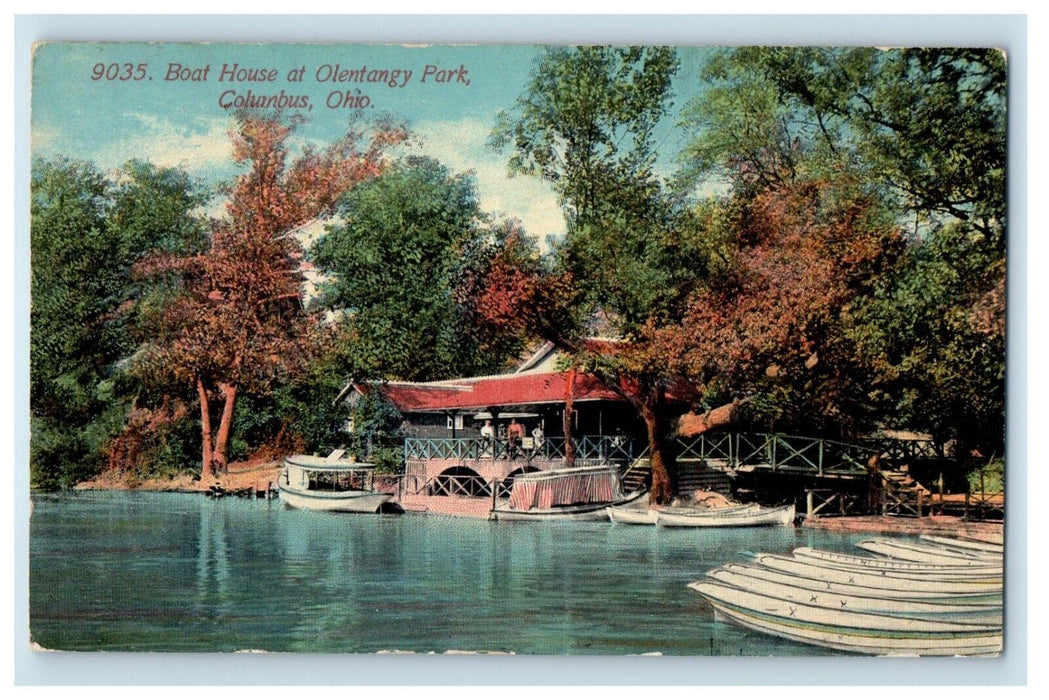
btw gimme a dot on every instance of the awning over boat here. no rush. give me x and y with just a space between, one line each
563 487
315 463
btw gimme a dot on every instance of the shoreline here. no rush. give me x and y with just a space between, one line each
259 475
239 476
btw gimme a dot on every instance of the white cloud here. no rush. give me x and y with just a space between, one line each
461 145
199 148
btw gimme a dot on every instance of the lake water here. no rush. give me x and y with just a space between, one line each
180 572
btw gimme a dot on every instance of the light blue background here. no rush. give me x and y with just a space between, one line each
1008 32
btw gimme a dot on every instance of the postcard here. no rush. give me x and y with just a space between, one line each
518 349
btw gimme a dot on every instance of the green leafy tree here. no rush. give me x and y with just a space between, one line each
408 241
87 233
631 252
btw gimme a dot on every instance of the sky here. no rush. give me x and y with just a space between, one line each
171 104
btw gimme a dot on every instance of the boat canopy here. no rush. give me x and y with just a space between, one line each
314 463
564 487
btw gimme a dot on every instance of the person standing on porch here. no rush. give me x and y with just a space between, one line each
537 439
487 436
514 433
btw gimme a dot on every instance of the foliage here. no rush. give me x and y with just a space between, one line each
631 254
934 331
927 125
922 132
375 432
774 327
87 232
988 478
237 322
407 241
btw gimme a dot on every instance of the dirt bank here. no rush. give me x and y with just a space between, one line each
936 525
241 475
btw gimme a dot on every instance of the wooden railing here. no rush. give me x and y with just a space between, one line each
587 447
768 451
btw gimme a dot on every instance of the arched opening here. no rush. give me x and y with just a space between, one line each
507 484
459 481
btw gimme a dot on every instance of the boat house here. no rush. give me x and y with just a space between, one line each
467 438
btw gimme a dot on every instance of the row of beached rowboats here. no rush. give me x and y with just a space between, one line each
934 597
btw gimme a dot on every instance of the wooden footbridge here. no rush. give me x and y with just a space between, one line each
831 475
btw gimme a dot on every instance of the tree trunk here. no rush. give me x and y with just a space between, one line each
567 426
206 474
664 481
229 393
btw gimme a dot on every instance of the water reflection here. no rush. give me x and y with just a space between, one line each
183 573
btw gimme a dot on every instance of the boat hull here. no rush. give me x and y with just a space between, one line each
880 579
762 517
901 593
892 567
818 556
585 511
631 516
983 613
863 633
965 545
925 554
338 502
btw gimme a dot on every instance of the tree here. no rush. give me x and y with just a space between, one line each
88 231
922 131
927 125
775 326
237 323
396 266
631 253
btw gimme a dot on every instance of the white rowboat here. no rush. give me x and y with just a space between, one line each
761 517
848 562
984 613
959 544
879 579
864 633
631 516
929 555
809 583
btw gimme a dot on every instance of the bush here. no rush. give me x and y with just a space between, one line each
993 477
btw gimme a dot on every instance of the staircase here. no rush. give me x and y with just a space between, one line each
902 495
638 476
692 475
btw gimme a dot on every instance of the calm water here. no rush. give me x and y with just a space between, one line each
179 572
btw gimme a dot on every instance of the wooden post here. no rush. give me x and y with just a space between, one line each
921 495
808 504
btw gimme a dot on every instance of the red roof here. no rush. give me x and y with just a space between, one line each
479 393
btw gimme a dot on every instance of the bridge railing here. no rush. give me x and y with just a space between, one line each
587 447
774 451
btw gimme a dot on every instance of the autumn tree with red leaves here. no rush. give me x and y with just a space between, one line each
776 327
237 322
